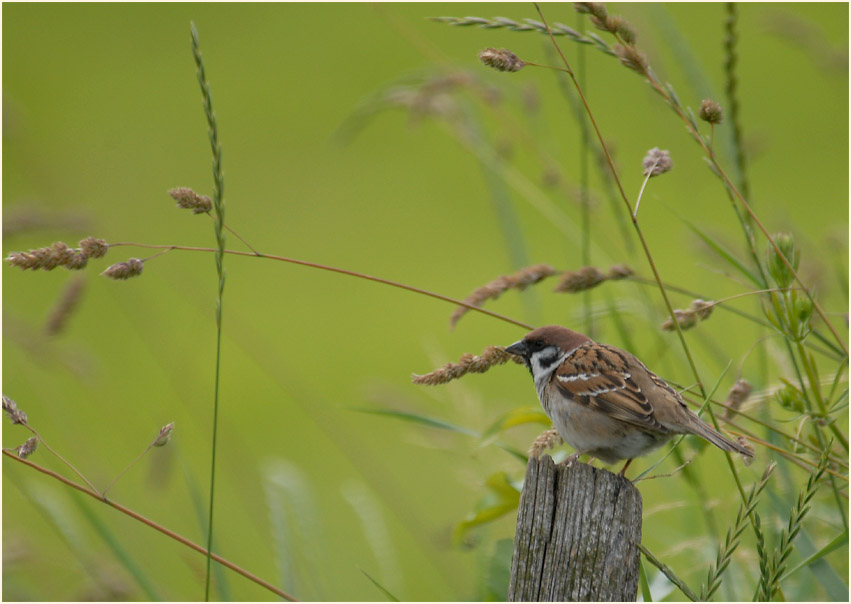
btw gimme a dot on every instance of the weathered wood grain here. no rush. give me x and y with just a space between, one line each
577 533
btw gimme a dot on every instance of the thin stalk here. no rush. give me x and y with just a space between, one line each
654 82
672 576
59 457
341 271
635 224
154 525
584 153
127 467
219 228
814 386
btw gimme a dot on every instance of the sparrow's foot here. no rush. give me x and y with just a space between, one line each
571 458
623 469
547 440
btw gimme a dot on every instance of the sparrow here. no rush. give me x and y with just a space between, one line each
603 401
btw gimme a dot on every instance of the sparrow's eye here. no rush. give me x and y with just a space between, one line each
535 345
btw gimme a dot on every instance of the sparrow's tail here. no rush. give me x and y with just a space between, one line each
702 429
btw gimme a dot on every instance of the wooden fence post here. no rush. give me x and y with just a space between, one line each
577 533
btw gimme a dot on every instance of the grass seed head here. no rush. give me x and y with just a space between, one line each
28 448
94 248
188 199
501 59
710 111
124 270
11 408
657 161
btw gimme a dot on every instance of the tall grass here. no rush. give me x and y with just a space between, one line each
791 518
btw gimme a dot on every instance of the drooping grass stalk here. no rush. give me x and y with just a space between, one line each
557 29
603 171
623 195
725 552
341 271
219 228
669 95
158 527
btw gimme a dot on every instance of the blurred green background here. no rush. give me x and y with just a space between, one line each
102 115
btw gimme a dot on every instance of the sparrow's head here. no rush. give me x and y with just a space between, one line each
544 348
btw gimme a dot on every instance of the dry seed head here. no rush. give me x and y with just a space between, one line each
619 271
600 23
546 440
746 459
631 58
11 408
626 31
657 161
598 9
77 261
702 308
188 199
611 23
164 435
738 394
501 59
124 270
519 280
59 254
94 248
23 260
710 111
27 449
577 281
468 363
62 254
66 305
685 318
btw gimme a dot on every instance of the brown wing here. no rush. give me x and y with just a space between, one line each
599 376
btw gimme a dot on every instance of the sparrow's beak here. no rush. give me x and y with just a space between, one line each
518 348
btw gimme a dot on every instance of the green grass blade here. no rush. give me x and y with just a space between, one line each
417 418
839 541
219 573
643 583
725 254
389 595
114 544
219 228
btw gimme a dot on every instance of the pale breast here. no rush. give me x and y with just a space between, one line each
596 434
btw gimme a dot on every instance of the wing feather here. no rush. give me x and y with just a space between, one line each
598 376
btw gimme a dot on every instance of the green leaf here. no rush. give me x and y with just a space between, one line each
499 571
518 416
503 497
